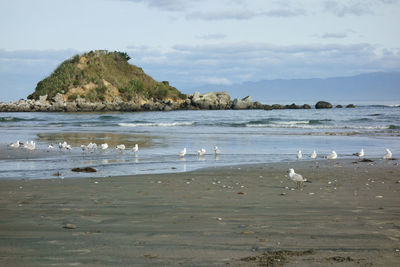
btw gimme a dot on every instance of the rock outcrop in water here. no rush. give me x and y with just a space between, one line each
197 101
103 76
323 104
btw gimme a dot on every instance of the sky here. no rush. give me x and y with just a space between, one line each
192 43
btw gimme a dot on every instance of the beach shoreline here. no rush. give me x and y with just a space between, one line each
348 214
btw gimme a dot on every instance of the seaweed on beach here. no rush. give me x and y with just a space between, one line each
276 258
86 169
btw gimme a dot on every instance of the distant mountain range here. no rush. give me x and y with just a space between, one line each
371 87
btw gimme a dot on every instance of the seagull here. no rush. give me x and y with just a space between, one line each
63 145
333 155
359 154
313 155
295 177
121 147
201 152
135 148
68 147
104 146
30 145
92 145
50 147
216 150
388 154
84 148
15 145
182 153
299 155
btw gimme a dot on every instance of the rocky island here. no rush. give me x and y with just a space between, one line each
105 81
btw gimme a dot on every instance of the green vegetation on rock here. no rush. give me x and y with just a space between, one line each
103 76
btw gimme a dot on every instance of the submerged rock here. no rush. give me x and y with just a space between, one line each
350 106
86 169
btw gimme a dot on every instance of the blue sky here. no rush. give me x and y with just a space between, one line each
195 42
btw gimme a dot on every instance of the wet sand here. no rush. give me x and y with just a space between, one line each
234 216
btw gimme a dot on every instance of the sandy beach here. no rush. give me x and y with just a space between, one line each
349 215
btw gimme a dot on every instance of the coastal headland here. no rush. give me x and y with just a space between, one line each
241 215
105 81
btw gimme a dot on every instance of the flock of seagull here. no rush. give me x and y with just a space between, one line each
31 145
295 177
299 179
334 155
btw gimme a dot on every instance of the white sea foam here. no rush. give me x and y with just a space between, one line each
306 126
290 122
151 124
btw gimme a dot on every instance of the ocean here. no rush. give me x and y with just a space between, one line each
243 136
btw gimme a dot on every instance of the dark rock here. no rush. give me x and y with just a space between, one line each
306 106
292 106
366 160
86 169
350 106
258 105
339 106
277 106
267 107
323 104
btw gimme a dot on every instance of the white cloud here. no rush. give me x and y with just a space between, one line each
216 80
188 66
215 36
334 35
244 14
354 7
166 5
239 62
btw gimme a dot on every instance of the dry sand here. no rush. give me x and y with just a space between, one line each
235 216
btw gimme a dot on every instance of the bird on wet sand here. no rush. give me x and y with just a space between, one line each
297 178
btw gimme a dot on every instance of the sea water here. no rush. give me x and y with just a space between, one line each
243 136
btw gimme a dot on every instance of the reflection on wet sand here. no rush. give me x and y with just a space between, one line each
112 139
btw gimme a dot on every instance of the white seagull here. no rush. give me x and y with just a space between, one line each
92 145
297 178
50 147
135 148
60 146
359 154
216 150
388 154
201 152
15 145
121 147
313 155
104 146
30 145
299 154
182 153
333 155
